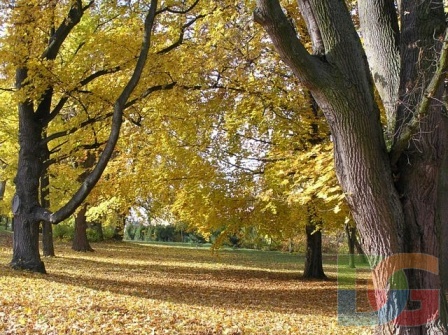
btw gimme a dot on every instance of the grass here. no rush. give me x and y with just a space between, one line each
125 288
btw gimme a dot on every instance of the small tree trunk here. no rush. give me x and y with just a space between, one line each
2 188
359 250
119 228
313 259
118 235
26 245
80 241
351 246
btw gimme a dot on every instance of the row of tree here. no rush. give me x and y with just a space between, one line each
183 105
195 156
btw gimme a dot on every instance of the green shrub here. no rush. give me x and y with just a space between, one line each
93 235
64 231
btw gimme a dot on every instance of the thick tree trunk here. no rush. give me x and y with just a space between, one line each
442 224
80 241
26 245
32 123
313 258
26 226
392 196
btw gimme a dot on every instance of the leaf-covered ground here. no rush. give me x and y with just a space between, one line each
126 288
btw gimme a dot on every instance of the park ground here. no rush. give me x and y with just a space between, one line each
125 288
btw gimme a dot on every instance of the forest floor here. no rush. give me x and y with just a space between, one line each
125 288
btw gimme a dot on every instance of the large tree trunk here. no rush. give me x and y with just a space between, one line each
26 227
313 258
80 241
442 223
27 210
393 195
26 245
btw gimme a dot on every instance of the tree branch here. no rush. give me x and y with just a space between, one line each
180 40
423 106
149 91
56 40
175 11
52 50
308 69
312 27
380 31
76 128
61 103
117 120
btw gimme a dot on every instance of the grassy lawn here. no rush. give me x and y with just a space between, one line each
125 288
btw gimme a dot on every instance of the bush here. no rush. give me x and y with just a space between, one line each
64 231
129 232
93 235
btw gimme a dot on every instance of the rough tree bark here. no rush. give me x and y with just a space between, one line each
391 180
33 120
47 227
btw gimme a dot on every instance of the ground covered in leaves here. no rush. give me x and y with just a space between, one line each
124 288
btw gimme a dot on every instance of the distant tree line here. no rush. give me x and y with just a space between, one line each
161 233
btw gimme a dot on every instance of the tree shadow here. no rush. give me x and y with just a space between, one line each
191 280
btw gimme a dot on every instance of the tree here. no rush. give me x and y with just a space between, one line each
248 133
80 241
31 52
391 179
